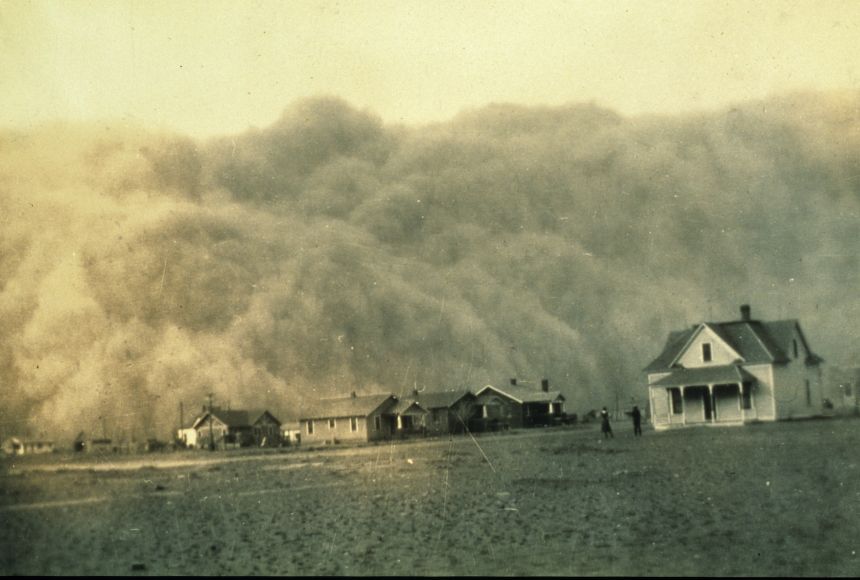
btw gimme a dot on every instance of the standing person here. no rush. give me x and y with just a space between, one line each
637 421
604 424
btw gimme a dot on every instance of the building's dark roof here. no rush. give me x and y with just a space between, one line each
714 375
755 341
523 394
360 406
441 399
674 344
255 415
408 407
234 418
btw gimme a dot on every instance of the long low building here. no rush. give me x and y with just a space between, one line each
353 418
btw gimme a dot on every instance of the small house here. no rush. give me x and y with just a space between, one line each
187 436
353 418
446 411
225 429
20 446
290 435
515 406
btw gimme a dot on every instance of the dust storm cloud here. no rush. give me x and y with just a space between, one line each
330 252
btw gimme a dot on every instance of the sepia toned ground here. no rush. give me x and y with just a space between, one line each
778 499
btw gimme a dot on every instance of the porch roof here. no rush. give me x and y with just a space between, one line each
716 375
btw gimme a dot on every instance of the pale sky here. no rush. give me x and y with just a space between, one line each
214 67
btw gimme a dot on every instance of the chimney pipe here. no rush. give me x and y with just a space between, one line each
544 385
745 312
514 382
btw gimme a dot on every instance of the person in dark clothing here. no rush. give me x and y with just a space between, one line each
637 421
604 424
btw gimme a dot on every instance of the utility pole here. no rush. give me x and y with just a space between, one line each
211 433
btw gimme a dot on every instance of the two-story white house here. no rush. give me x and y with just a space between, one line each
731 373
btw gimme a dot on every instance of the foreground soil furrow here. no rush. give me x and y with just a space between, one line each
778 499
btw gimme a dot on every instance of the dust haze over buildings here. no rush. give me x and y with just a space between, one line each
330 252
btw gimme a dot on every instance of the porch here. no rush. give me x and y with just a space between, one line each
707 396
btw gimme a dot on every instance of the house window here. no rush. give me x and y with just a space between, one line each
794 344
331 424
677 403
377 422
808 394
706 352
310 427
353 424
434 415
746 396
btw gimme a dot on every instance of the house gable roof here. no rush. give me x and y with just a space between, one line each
229 418
442 399
755 341
716 330
522 394
408 407
359 406
257 414
234 418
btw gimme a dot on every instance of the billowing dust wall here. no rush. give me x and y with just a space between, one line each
330 252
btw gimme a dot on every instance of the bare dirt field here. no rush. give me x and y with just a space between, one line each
778 499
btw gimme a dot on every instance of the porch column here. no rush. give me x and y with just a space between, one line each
741 402
668 405
651 403
399 422
713 403
683 407
752 400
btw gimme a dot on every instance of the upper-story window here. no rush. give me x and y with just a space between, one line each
706 352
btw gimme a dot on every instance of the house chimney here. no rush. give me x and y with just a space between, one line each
514 382
544 385
745 312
